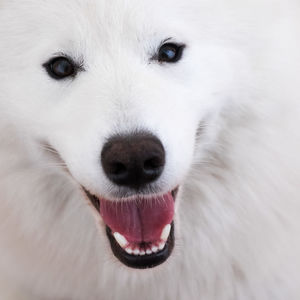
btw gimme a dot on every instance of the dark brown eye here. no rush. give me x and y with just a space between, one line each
60 67
170 53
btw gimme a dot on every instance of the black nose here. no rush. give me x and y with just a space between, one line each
133 160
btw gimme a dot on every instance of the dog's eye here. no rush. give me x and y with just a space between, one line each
170 53
60 67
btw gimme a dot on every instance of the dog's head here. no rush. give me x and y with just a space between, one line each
122 91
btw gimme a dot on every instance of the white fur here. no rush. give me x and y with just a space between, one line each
238 211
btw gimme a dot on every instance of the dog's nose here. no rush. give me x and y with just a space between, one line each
133 160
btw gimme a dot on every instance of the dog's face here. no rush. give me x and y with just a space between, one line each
120 90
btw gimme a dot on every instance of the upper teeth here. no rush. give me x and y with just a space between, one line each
165 232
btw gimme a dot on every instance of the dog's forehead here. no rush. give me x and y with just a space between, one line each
81 25
101 14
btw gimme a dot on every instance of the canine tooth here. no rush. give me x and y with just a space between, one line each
148 251
161 246
154 249
136 251
120 239
129 250
165 232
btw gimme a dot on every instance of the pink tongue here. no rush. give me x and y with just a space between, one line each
139 220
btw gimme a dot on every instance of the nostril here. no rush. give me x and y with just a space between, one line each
118 171
117 168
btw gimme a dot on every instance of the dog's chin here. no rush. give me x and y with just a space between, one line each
140 229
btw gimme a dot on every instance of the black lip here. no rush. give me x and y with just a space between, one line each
94 200
145 261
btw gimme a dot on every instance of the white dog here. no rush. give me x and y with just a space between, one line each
149 150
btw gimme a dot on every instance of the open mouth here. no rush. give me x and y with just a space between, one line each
140 230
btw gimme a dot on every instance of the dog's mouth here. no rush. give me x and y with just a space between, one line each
140 230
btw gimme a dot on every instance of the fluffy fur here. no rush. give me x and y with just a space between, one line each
227 114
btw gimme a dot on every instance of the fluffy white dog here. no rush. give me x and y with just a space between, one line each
149 150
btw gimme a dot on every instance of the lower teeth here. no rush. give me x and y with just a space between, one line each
135 250
142 252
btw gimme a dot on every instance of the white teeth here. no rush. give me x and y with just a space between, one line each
134 249
129 250
161 246
120 239
165 232
142 252
136 252
154 249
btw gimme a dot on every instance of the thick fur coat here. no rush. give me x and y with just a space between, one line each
228 114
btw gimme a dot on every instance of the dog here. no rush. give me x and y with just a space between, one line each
149 150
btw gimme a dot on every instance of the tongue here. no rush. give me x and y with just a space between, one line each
138 220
